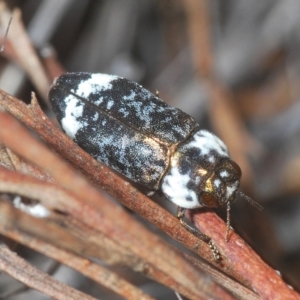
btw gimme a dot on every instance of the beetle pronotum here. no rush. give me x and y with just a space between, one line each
134 132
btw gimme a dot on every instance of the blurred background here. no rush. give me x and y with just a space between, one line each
233 65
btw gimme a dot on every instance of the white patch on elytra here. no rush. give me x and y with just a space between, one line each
95 117
144 112
178 129
207 142
124 111
99 101
73 111
110 103
125 142
174 186
36 210
96 83
129 97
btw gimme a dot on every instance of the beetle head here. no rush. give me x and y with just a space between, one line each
221 188
221 184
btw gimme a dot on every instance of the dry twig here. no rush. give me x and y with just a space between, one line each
24 272
21 227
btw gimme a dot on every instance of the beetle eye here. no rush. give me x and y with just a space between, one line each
236 167
209 200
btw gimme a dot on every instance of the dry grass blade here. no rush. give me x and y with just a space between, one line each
17 267
24 50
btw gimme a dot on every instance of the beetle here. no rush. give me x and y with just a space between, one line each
131 130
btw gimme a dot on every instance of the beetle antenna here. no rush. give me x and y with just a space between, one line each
5 36
251 201
227 220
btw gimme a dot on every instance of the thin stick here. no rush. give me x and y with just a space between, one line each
5 36
18 268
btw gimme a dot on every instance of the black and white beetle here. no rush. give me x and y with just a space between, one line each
131 130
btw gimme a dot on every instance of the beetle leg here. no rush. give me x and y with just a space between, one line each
180 215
